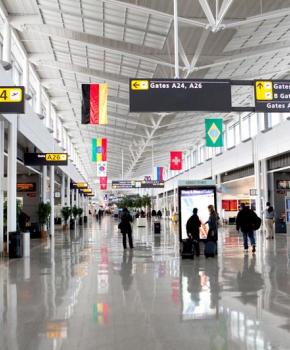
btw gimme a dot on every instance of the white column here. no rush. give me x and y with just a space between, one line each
52 200
264 181
77 198
38 108
176 48
68 202
7 43
12 176
44 184
25 79
219 194
48 115
62 198
257 172
73 198
1 182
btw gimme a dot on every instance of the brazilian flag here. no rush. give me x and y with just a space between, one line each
214 132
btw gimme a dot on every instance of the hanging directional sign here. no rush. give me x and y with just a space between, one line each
180 95
12 99
133 184
57 159
78 185
272 96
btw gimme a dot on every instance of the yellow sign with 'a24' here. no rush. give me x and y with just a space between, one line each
11 95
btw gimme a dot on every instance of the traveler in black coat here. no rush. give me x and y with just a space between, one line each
192 228
126 228
244 222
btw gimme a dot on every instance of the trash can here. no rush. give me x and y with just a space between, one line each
26 244
157 227
15 245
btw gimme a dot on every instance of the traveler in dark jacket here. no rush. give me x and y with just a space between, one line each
245 221
212 224
126 228
192 228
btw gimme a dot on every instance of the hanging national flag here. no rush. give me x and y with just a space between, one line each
214 132
176 160
99 150
159 173
101 169
95 104
103 183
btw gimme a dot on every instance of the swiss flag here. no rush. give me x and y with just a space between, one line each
103 183
176 160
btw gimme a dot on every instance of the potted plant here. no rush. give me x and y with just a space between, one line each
66 213
44 211
80 212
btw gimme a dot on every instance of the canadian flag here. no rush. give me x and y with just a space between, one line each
103 183
175 160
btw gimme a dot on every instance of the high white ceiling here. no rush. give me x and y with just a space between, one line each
71 42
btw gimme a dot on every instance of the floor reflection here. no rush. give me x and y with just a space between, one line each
82 291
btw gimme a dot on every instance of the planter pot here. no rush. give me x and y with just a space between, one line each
80 221
85 219
72 224
43 234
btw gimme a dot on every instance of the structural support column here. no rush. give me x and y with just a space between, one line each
12 177
264 181
38 99
2 126
7 43
77 198
68 202
62 198
73 198
257 172
52 200
219 196
44 184
26 76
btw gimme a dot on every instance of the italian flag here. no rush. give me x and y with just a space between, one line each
95 104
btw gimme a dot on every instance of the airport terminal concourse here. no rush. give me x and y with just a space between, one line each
144 174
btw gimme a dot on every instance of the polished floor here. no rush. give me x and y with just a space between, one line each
80 291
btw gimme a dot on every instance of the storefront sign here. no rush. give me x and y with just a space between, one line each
57 159
26 187
12 100
272 96
172 95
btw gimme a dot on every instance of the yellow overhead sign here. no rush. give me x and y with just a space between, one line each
264 90
55 157
11 95
140 85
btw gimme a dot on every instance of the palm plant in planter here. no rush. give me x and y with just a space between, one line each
80 212
44 211
66 213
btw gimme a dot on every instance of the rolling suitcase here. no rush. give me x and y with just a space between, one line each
210 249
187 250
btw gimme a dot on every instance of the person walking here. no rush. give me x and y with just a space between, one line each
192 228
269 218
212 224
126 228
245 222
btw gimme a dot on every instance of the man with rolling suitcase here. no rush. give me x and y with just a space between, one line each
192 228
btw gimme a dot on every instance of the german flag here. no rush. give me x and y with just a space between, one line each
95 104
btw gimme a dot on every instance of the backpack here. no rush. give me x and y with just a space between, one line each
256 222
